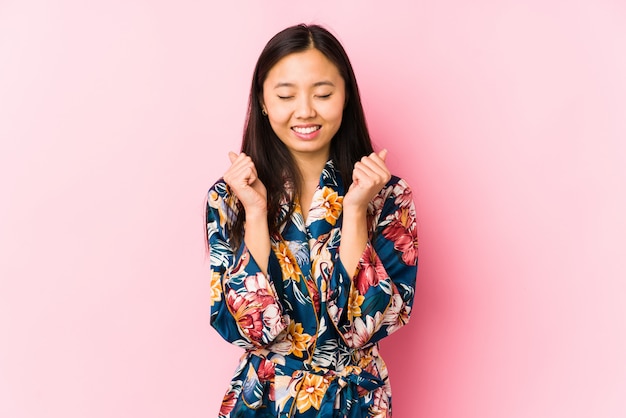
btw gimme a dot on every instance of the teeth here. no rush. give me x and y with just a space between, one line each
308 130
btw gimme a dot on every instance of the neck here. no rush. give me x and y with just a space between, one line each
311 167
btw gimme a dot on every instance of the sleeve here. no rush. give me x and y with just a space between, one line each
245 308
377 300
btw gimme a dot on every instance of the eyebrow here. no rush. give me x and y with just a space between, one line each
319 83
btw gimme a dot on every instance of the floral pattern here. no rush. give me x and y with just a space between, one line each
327 205
310 392
216 293
311 330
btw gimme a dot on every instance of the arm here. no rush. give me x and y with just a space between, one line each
242 178
245 308
257 238
376 300
368 178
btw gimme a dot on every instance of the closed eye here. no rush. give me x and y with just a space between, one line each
285 97
325 96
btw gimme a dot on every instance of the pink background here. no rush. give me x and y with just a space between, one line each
508 118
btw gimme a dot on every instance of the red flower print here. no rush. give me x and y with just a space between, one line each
404 196
362 330
255 308
402 232
228 403
247 315
267 373
371 270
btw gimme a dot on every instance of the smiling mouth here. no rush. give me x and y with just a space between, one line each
306 130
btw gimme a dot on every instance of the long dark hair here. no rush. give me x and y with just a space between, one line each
271 157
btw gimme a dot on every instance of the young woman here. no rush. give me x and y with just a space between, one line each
313 243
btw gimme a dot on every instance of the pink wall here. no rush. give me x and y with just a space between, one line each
507 117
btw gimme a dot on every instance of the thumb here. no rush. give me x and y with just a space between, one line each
232 156
383 154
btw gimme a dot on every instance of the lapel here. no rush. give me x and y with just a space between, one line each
305 240
326 207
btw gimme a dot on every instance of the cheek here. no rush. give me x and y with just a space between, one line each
278 119
279 113
279 123
334 112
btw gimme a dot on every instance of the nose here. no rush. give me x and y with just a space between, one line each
304 108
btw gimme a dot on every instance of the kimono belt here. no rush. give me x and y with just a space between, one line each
342 391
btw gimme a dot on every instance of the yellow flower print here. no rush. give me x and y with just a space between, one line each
311 392
216 287
299 340
287 263
354 303
332 204
326 205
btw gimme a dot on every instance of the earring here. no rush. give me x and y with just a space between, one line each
264 111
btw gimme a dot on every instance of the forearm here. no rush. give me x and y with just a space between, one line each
353 238
257 239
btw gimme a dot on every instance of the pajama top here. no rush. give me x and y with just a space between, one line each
310 329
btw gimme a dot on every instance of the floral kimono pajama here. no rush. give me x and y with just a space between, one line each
310 329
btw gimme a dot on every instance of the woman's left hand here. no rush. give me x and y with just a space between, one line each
368 178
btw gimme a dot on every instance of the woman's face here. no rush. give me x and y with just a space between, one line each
304 96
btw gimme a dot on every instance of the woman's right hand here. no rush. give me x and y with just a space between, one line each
243 179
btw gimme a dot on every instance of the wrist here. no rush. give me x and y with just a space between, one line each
358 211
257 215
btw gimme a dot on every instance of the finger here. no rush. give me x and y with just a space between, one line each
242 171
233 156
244 174
363 169
363 178
372 175
376 164
379 158
240 161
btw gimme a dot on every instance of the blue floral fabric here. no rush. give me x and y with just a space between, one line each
309 329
